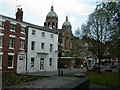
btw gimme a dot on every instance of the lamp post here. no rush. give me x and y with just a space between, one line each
59 55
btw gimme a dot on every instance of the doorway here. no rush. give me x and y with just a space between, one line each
42 64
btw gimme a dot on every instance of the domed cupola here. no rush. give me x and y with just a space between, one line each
51 19
52 14
66 24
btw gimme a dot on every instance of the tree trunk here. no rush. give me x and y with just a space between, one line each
99 70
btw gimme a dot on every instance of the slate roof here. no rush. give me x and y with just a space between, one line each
43 28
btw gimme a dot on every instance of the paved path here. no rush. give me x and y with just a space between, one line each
52 82
66 71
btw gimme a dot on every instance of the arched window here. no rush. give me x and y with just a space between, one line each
53 24
48 24
42 59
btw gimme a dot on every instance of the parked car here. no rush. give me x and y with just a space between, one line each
96 66
113 65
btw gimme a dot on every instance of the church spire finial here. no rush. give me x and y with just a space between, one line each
66 18
52 8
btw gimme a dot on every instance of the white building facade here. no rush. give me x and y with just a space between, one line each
42 47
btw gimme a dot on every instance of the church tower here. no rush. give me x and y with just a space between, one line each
66 25
51 19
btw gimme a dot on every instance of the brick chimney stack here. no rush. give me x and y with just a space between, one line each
19 14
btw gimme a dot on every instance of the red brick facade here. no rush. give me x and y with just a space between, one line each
7 32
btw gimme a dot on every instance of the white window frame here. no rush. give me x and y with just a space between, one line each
11 54
32 62
51 47
42 46
1 42
12 27
43 34
2 25
51 36
22 30
33 32
1 53
32 46
50 62
22 43
12 42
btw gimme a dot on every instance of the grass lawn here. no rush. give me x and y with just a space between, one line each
104 78
13 79
111 79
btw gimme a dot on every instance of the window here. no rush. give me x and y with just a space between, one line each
33 45
10 61
1 24
22 29
51 46
42 45
32 62
11 42
12 27
43 34
0 61
0 41
33 32
50 62
21 44
51 35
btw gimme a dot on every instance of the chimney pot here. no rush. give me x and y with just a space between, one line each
19 14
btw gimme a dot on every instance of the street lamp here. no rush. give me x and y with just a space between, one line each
59 55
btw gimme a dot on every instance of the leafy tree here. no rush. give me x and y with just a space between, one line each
99 30
115 42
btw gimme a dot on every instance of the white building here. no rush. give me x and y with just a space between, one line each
42 47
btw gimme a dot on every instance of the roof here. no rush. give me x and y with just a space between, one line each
66 23
32 25
43 28
52 13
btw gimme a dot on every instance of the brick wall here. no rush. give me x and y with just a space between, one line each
6 49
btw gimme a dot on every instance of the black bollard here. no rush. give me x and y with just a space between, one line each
61 73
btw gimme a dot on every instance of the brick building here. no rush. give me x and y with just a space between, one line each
13 34
22 49
65 38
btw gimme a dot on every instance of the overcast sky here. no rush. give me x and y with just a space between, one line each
35 11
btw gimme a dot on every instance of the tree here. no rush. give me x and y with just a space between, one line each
99 29
115 46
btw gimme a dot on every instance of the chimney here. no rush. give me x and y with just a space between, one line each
19 14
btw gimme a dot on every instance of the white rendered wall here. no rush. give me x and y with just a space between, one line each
34 53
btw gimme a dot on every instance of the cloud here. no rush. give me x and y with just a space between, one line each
35 11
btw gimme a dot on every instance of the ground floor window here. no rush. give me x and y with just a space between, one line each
32 62
10 61
50 62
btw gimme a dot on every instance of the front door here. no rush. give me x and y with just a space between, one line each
21 65
41 64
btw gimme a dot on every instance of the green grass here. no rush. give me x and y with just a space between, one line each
13 79
105 78
111 79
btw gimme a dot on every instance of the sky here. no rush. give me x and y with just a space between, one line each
35 11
